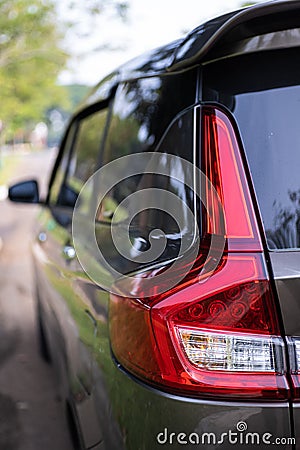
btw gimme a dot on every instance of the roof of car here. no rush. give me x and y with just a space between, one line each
202 42
246 22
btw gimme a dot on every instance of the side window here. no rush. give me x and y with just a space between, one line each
142 112
80 159
144 220
177 141
62 167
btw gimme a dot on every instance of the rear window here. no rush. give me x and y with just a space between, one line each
262 91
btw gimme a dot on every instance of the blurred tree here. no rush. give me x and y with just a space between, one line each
83 22
57 116
30 60
76 93
96 7
244 5
32 54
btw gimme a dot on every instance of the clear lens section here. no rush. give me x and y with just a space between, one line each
297 347
236 353
294 351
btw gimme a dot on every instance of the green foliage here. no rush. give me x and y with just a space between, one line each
76 93
88 27
30 60
97 7
31 57
246 4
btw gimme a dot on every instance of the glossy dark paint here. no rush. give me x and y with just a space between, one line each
113 407
70 330
113 410
203 42
286 270
198 45
276 186
24 192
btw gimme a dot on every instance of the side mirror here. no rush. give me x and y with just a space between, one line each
24 192
67 196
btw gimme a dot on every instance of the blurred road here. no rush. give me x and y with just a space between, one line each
31 414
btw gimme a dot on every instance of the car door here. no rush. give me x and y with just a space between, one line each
65 291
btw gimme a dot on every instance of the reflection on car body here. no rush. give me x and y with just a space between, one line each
185 355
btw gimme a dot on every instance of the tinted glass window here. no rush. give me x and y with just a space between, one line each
142 112
85 155
263 93
80 158
62 168
146 118
144 109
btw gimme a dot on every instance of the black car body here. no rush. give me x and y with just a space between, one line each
211 364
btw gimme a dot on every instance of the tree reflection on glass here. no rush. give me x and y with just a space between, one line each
286 232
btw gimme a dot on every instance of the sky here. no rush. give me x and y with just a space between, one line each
150 23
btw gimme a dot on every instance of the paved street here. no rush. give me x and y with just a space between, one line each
31 413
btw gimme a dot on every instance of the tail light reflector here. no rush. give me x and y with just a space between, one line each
219 336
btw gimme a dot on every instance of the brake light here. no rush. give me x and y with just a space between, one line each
217 336
223 167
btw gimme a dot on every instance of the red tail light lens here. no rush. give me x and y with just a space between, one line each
218 336
222 164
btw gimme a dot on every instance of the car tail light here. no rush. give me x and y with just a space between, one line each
223 167
294 357
217 336
209 350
